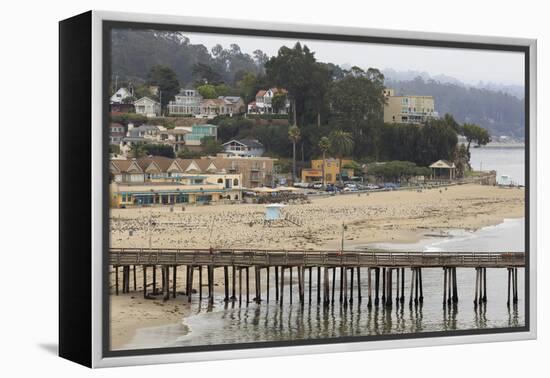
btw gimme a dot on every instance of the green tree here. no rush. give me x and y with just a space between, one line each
324 146
358 107
278 102
207 91
461 158
292 69
210 146
319 89
114 149
342 145
167 81
223 90
396 170
137 150
155 149
294 136
475 133
450 121
248 87
186 153
437 141
205 74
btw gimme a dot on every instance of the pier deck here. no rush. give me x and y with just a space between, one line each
244 257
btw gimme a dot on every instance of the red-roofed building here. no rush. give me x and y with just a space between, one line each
263 103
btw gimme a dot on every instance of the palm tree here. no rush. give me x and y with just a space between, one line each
294 136
342 144
324 146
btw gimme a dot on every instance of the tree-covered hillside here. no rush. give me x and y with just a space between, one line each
500 113
134 52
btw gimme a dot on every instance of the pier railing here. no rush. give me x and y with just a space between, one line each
305 258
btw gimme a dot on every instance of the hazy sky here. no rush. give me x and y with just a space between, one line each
470 66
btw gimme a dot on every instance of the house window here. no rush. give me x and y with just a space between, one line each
235 182
220 181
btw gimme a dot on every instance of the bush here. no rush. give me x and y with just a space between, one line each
267 116
186 153
126 118
396 170
114 149
158 150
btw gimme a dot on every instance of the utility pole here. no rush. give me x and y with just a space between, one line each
149 231
344 227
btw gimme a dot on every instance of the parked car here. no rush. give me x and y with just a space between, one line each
318 185
372 186
391 185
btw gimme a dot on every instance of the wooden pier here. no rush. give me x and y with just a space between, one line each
388 267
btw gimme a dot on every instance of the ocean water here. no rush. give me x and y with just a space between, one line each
505 160
508 236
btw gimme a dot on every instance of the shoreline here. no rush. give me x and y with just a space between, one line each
382 217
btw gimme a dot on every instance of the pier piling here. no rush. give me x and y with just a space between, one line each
144 268
359 296
276 283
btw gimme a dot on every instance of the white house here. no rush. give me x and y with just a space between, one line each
244 147
263 103
147 107
187 101
119 96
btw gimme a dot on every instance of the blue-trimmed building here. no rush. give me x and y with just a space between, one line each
162 181
197 132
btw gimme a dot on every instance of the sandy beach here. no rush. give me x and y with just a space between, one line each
396 217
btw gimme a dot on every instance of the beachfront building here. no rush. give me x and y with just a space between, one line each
256 171
443 170
163 181
244 147
147 107
186 102
332 171
408 109
263 102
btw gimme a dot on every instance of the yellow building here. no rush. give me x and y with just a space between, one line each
408 109
332 171
163 181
